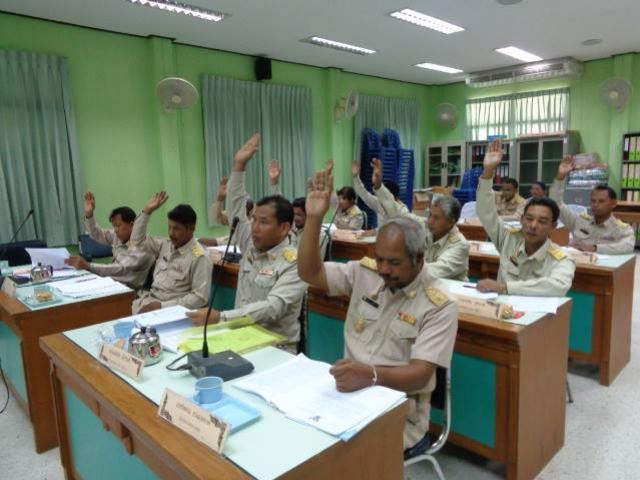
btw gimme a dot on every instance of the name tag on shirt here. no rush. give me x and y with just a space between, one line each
367 310
267 272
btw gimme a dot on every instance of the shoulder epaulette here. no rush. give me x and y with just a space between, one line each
369 263
621 224
453 239
352 212
515 229
556 253
436 296
290 254
197 251
586 216
519 200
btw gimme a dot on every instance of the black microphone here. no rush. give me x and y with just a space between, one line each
4 250
214 285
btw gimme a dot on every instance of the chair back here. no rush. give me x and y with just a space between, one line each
90 248
468 210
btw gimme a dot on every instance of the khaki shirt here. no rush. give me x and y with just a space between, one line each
547 273
296 235
374 203
513 208
350 219
181 276
130 264
269 288
446 258
611 237
388 328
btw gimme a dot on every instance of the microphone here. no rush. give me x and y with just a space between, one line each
214 286
4 250
327 234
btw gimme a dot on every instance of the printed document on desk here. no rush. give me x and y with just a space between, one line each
305 391
89 286
49 256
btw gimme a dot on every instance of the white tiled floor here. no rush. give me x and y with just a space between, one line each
602 436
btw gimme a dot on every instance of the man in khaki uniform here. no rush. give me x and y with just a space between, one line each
602 232
182 275
447 250
348 216
299 220
509 204
372 200
530 264
269 288
130 264
400 324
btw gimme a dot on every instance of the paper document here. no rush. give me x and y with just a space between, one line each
533 304
305 391
48 256
222 248
240 340
469 290
88 286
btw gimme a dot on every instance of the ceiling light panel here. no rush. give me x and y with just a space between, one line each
345 47
518 53
439 68
423 20
182 8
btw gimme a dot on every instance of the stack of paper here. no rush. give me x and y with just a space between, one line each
305 391
89 286
48 256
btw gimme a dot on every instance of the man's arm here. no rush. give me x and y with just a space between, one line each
556 193
453 262
485 202
625 245
136 260
274 175
393 209
556 284
98 234
351 375
200 286
367 197
217 206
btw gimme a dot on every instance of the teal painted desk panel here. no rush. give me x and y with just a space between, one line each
96 453
473 399
225 298
11 356
581 321
325 338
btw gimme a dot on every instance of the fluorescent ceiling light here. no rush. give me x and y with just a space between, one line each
423 20
518 53
345 47
183 8
439 68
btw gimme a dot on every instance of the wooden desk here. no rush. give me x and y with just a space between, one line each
508 382
473 231
628 212
92 401
600 329
346 250
27 367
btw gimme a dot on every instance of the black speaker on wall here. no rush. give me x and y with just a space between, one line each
262 68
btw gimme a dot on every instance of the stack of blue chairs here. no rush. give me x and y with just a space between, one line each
467 191
398 165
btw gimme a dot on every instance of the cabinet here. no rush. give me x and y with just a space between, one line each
477 150
538 158
445 164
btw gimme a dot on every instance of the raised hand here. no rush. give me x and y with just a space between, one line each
565 167
493 157
89 204
222 189
355 169
328 168
376 175
319 198
155 202
274 172
309 185
246 152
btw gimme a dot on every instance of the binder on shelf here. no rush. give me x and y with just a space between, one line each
625 149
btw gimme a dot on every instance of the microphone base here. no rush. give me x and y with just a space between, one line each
226 365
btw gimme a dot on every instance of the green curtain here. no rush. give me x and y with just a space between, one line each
234 110
399 114
39 164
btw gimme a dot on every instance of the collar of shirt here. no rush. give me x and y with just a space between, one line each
271 254
539 254
184 249
608 223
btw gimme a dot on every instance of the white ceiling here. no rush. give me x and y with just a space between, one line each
548 28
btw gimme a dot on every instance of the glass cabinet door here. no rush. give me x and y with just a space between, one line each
529 158
454 165
435 166
552 151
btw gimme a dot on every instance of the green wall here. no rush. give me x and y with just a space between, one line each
130 148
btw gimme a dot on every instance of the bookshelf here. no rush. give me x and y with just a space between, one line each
476 152
630 176
445 164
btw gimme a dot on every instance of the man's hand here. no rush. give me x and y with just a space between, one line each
155 202
246 152
487 285
222 189
150 307
351 375
274 172
492 158
355 169
89 204
309 185
78 263
376 175
565 167
318 199
584 247
198 316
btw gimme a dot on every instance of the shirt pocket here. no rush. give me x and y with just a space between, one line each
510 271
402 335
265 281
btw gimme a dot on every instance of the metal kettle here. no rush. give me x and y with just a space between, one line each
41 273
145 345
